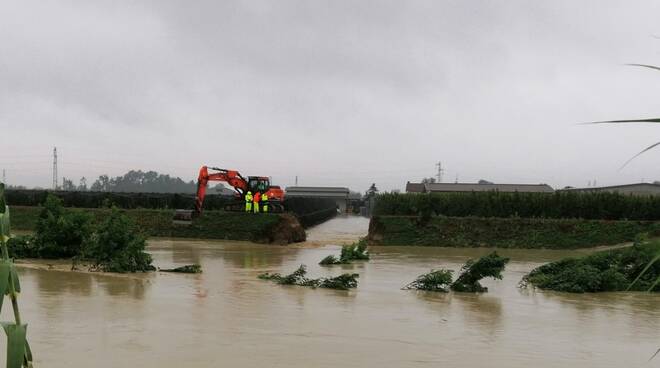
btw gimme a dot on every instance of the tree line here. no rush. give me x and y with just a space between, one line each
134 181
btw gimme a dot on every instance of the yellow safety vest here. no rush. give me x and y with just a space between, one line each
248 198
264 198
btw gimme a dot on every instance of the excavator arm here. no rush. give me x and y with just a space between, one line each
232 177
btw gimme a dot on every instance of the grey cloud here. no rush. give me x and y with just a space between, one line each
337 92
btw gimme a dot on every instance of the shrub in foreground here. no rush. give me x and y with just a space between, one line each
118 246
60 233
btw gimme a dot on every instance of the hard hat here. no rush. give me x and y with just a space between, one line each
249 192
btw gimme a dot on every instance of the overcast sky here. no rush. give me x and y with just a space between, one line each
337 92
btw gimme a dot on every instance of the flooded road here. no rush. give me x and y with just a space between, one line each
227 317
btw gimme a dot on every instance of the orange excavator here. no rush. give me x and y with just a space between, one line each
241 186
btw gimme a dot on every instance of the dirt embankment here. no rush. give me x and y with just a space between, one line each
287 230
260 228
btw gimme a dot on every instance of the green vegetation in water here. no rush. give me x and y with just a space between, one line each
298 277
117 245
19 353
353 252
192 268
630 268
472 272
113 245
60 233
436 280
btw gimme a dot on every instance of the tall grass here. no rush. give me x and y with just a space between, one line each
18 350
633 121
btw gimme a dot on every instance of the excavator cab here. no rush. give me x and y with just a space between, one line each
258 184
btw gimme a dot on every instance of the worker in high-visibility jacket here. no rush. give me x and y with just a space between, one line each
264 202
255 202
248 202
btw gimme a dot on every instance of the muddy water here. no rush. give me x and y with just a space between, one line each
227 317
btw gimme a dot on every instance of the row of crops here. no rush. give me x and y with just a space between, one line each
558 205
26 197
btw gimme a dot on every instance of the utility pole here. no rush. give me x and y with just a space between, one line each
296 180
55 168
440 171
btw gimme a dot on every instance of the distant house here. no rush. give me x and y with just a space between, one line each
637 189
341 195
470 187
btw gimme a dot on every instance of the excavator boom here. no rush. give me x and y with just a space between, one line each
232 177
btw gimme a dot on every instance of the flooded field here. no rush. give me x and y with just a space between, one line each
227 317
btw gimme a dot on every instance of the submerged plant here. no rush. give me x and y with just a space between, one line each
191 268
18 350
353 252
342 282
436 280
472 272
629 268
298 277
330 260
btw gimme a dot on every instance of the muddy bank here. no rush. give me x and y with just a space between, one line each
259 228
504 232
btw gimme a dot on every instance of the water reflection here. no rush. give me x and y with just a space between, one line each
62 283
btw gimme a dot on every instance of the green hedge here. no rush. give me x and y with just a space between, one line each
27 197
310 211
505 232
213 225
602 206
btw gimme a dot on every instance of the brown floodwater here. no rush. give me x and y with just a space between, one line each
227 317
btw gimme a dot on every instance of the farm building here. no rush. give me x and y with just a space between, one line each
474 187
637 189
339 194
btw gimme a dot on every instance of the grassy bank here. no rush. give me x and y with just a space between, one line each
504 232
212 225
